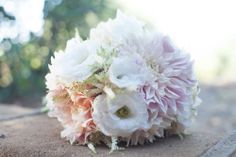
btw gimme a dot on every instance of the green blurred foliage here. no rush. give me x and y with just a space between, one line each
23 66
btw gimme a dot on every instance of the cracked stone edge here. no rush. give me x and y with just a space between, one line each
33 113
224 148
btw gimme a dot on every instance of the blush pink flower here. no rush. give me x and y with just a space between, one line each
73 110
170 95
59 104
123 83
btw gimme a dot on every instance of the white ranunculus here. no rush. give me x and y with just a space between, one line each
128 72
117 31
75 63
120 116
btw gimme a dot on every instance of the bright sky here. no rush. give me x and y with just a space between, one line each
202 27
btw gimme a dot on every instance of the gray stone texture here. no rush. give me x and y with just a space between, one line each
40 136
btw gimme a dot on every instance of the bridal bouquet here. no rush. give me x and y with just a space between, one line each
124 84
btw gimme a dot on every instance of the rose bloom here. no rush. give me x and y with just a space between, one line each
75 63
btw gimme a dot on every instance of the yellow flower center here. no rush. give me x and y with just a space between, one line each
123 112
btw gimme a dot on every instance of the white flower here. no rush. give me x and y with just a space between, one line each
141 85
128 71
51 81
72 45
75 63
117 31
120 116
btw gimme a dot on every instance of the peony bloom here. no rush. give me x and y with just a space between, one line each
128 72
121 116
74 65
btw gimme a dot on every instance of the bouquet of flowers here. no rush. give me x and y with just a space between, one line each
123 84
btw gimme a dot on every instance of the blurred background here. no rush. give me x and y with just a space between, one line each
30 31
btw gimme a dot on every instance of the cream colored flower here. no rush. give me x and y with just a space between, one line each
128 72
117 31
51 81
75 63
120 116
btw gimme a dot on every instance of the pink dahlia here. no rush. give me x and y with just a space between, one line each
169 96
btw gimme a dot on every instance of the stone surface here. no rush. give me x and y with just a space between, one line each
40 136
9 112
234 154
224 148
12 110
218 109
